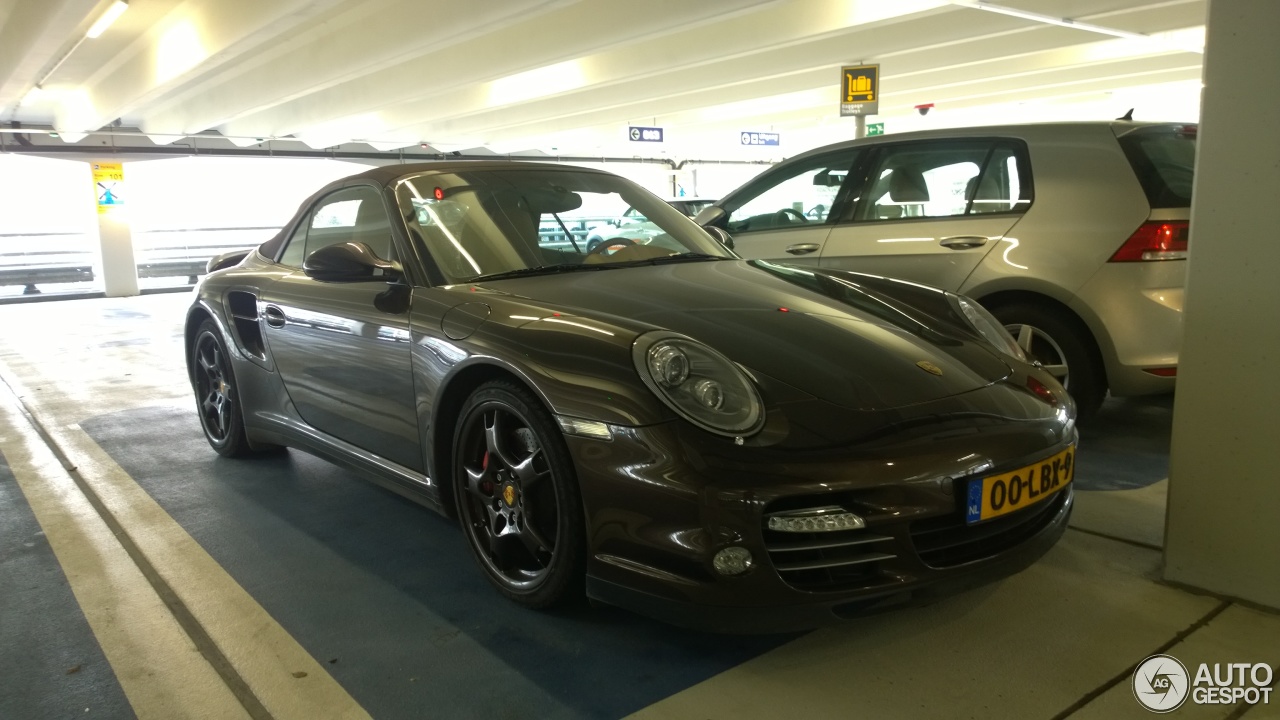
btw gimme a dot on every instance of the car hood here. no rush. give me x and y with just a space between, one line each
820 332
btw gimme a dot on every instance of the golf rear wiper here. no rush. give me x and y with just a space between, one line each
540 270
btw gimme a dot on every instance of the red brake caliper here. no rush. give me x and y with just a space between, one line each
486 486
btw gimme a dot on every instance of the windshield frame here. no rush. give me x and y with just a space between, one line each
490 231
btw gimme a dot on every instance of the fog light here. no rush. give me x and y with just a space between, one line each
819 520
732 561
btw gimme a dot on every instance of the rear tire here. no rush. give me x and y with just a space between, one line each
1054 339
217 395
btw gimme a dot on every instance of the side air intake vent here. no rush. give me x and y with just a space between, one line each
244 318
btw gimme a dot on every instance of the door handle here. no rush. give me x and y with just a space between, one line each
802 248
274 316
963 242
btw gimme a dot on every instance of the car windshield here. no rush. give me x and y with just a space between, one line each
484 223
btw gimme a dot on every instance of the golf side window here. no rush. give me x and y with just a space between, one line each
944 179
802 195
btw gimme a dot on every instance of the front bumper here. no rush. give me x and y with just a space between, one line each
825 610
662 500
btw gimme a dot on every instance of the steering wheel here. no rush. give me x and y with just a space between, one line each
786 213
604 246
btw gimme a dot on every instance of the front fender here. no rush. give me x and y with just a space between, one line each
577 367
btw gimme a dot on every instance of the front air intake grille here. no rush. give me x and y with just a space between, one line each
828 560
948 541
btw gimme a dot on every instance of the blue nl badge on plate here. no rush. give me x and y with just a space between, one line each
973 511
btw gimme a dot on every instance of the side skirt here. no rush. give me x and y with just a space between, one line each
281 430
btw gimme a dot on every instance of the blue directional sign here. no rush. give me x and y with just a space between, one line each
644 134
759 138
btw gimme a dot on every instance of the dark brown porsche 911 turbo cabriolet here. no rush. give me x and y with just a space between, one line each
729 444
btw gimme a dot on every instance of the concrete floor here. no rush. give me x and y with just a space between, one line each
142 575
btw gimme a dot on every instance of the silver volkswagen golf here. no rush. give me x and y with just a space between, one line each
1074 235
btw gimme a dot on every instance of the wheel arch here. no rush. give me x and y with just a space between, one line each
195 318
1001 298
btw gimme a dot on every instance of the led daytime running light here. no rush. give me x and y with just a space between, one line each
832 522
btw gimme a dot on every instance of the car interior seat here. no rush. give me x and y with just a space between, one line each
372 229
908 188
988 196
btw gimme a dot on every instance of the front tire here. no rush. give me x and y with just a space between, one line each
517 497
1063 347
217 395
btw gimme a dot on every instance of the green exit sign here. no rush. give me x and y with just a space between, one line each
875 129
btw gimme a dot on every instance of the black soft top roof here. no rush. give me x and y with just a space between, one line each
388 174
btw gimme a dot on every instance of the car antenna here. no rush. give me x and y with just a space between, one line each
1126 116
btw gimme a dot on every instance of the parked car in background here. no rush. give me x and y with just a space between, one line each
1074 235
726 443
633 225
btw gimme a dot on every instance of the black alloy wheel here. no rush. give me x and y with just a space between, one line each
217 398
517 497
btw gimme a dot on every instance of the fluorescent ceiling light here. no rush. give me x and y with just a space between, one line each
1047 19
115 11
33 95
178 50
536 83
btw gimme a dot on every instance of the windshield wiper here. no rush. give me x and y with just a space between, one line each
571 267
541 270
667 259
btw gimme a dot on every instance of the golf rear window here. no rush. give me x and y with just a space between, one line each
1164 160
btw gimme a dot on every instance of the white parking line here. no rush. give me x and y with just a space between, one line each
279 674
160 670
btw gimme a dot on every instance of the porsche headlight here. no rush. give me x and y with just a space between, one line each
700 384
989 327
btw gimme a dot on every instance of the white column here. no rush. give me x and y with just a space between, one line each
1223 524
119 268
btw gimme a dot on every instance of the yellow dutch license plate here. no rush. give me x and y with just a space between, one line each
996 495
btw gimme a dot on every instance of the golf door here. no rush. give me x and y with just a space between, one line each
932 210
787 213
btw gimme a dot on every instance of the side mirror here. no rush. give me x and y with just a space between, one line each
710 215
721 235
349 262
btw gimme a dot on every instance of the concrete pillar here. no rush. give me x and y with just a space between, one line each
1223 523
119 267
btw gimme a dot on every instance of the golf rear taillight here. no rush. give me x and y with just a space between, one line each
1155 240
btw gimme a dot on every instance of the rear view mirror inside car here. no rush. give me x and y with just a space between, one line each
828 178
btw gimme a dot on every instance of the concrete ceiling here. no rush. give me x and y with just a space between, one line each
569 76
